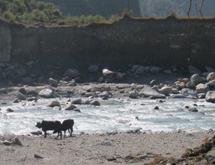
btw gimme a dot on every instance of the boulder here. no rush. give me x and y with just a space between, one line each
95 102
202 88
54 104
193 109
190 84
211 83
148 91
53 82
189 93
166 90
46 93
20 96
111 74
210 96
140 70
93 68
133 95
196 79
211 76
70 106
77 101
72 73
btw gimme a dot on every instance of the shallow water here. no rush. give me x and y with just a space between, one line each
112 115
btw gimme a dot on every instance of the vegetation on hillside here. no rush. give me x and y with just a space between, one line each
31 12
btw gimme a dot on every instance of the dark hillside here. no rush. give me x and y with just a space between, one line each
105 8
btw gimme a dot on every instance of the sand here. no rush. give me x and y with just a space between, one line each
107 149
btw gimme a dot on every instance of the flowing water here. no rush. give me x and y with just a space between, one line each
112 115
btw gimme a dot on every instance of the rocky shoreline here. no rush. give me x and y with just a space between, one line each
136 147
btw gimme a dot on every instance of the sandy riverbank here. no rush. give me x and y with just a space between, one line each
107 149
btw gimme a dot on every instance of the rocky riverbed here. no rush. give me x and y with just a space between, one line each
110 148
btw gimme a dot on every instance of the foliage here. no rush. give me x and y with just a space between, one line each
28 11
32 12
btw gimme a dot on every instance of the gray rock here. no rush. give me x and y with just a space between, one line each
190 84
93 68
133 95
153 82
16 141
38 156
148 91
202 88
196 79
46 93
139 70
21 72
210 96
20 96
95 102
70 106
189 93
54 104
211 83
72 73
210 156
77 101
3 90
9 110
77 110
53 82
194 70
166 90
193 109
211 76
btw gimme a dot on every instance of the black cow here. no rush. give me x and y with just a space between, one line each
50 125
67 125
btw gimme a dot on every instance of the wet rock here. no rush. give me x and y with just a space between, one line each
15 101
211 83
93 68
104 95
156 108
210 96
133 95
54 104
20 96
190 84
147 91
201 95
70 106
193 109
9 110
202 88
152 83
188 92
3 90
46 93
16 141
53 82
22 91
77 110
111 74
77 101
211 76
32 99
95 102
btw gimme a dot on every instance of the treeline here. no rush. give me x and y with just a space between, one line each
32 12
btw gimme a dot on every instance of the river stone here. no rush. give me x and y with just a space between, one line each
190 84
194 70
70 106
77 101
133 95
9 110
193 109
95 102
71 73
54 104
139 70
93 68
46 93
210 156
53 82
77 110
196 79
20 96
188 92
166 90
211 76
148 91
211 83
202 88
210 96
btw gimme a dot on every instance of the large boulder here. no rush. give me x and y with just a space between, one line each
211 76
46 93
202 88
196 79
147 91
210 96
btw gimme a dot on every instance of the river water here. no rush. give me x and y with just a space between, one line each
112 115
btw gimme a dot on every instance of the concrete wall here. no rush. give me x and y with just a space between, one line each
163 42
